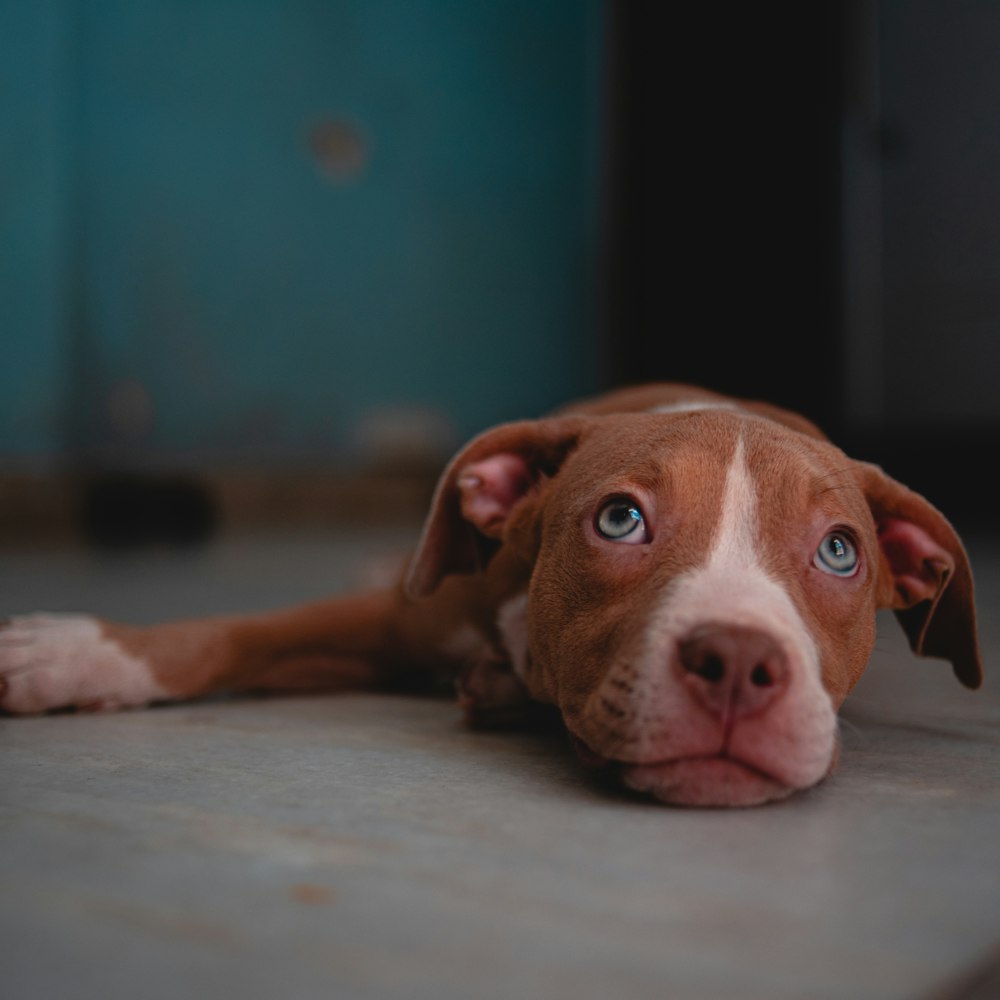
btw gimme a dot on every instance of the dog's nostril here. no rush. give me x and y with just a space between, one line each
711 669
732 671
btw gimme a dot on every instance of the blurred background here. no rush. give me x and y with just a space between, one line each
262 262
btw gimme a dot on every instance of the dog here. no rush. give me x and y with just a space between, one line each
690 579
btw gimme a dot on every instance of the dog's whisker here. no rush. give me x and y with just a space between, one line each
847 726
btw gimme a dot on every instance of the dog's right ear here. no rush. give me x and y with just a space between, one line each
478 491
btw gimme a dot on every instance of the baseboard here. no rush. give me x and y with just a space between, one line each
128 509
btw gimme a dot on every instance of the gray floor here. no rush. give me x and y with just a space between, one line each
370 847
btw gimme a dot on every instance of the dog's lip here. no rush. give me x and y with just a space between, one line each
694 761
710 780
633 770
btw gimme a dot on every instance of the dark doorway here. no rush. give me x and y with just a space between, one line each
722 251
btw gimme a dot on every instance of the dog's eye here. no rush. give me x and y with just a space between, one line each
837 554
621 520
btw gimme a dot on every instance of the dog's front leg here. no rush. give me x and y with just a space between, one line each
56 661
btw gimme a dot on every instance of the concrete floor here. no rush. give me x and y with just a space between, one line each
370 847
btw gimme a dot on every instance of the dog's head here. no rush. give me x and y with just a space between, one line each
703 587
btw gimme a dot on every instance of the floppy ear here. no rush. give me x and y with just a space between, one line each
478 491
924 575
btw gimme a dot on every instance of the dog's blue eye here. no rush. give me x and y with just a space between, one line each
837 554
621 520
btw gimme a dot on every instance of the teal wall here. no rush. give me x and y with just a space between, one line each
36 167
164 222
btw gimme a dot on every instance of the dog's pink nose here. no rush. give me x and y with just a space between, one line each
733 671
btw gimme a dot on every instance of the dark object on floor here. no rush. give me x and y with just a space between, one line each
129 510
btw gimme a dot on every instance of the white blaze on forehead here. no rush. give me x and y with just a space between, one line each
732 586
734 544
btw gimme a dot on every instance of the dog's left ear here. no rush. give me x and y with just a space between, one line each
478 492
924 575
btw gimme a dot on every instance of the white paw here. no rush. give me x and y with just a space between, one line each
54 661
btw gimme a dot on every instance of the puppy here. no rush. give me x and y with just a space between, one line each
691 580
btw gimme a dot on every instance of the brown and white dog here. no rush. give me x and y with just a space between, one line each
691 580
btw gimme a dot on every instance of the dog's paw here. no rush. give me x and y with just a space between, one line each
491 696
59 661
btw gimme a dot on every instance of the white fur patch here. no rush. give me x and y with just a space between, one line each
512 621
51 661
